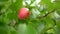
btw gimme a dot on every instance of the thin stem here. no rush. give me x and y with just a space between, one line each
47 14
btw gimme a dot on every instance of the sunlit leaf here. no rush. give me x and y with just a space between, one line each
26 29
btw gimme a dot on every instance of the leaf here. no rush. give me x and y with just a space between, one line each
2 2
57 6
7 30
15 7
58 23
12 30
35 13
3 20
48 5
41 28
49 23
25 29
58 11
57 28
4 30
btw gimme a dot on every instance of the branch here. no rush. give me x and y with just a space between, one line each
47 13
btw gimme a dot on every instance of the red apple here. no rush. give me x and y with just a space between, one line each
23 13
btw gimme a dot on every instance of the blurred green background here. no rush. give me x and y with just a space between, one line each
44 17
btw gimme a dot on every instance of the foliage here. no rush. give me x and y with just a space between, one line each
44 17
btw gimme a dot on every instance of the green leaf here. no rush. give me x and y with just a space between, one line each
26 29
58 11
4 30
57 6
47 4
2 2
49 23
3 20
15 7
57 28
58 23
35 13
12 30
7 30
50 31
41 27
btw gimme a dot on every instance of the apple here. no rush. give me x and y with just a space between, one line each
23 13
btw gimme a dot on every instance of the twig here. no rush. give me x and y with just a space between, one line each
48 13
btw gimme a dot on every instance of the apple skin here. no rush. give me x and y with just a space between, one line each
23 13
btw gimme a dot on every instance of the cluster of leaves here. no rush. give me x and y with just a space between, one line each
44 17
